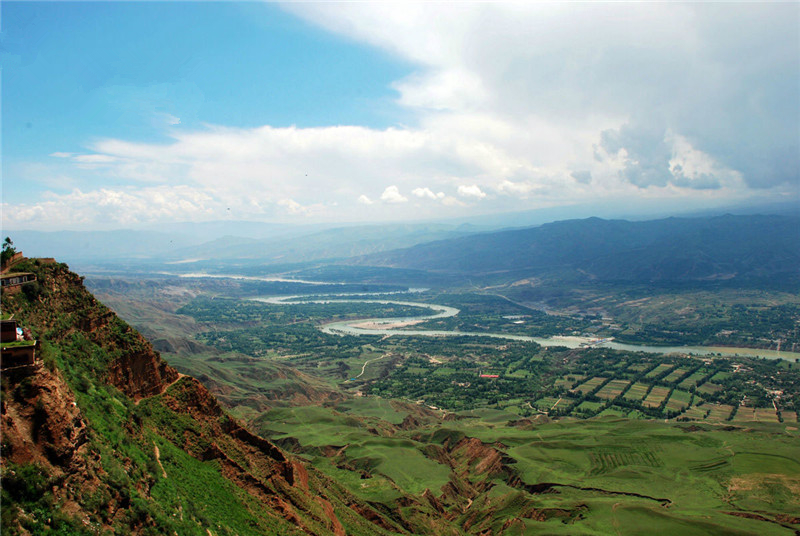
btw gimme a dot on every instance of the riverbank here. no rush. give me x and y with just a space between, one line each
394 327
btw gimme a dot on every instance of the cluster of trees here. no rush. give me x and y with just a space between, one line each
489 314
736 325
252 312
8 251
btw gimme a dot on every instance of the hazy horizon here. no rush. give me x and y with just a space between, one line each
134 115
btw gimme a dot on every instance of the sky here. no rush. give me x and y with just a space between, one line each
123 114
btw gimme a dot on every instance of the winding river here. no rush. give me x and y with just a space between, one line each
395 326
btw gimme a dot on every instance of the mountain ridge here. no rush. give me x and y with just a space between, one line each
593 249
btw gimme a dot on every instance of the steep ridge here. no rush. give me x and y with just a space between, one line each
103 436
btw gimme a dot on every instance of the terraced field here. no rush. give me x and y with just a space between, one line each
696 412
663 367
599 478
693 379
604 462
590 384
746 414
709 388
656 396
613 389
766 415
675 374
678 400
718 412
637 391
720 376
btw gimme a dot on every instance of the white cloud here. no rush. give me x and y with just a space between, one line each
119 207
519 105
94 159
170 119
392 195
452 202
293 207
427 193
471 191
561 74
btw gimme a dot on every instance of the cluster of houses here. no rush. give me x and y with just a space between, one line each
17 346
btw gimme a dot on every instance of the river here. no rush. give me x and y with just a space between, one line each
393 326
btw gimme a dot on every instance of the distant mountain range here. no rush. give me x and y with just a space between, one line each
731 249
193 244
667 250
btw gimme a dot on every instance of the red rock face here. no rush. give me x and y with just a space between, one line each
41 422
141 374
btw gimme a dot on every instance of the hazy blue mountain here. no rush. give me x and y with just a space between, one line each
191 244
673 249
337 243
72 246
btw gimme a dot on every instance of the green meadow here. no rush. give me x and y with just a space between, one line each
622 475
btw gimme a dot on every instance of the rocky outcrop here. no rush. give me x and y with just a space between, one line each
483 459
141 374
41 423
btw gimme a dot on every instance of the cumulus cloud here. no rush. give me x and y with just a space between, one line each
117 206
427 193
392 195
725 76
536 104
646 154
658 157
293 207
471 191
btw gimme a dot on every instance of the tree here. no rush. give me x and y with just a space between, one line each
8 251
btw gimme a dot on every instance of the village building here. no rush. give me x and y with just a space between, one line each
16 279
17 346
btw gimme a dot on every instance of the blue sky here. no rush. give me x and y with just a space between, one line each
117 114
77 72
